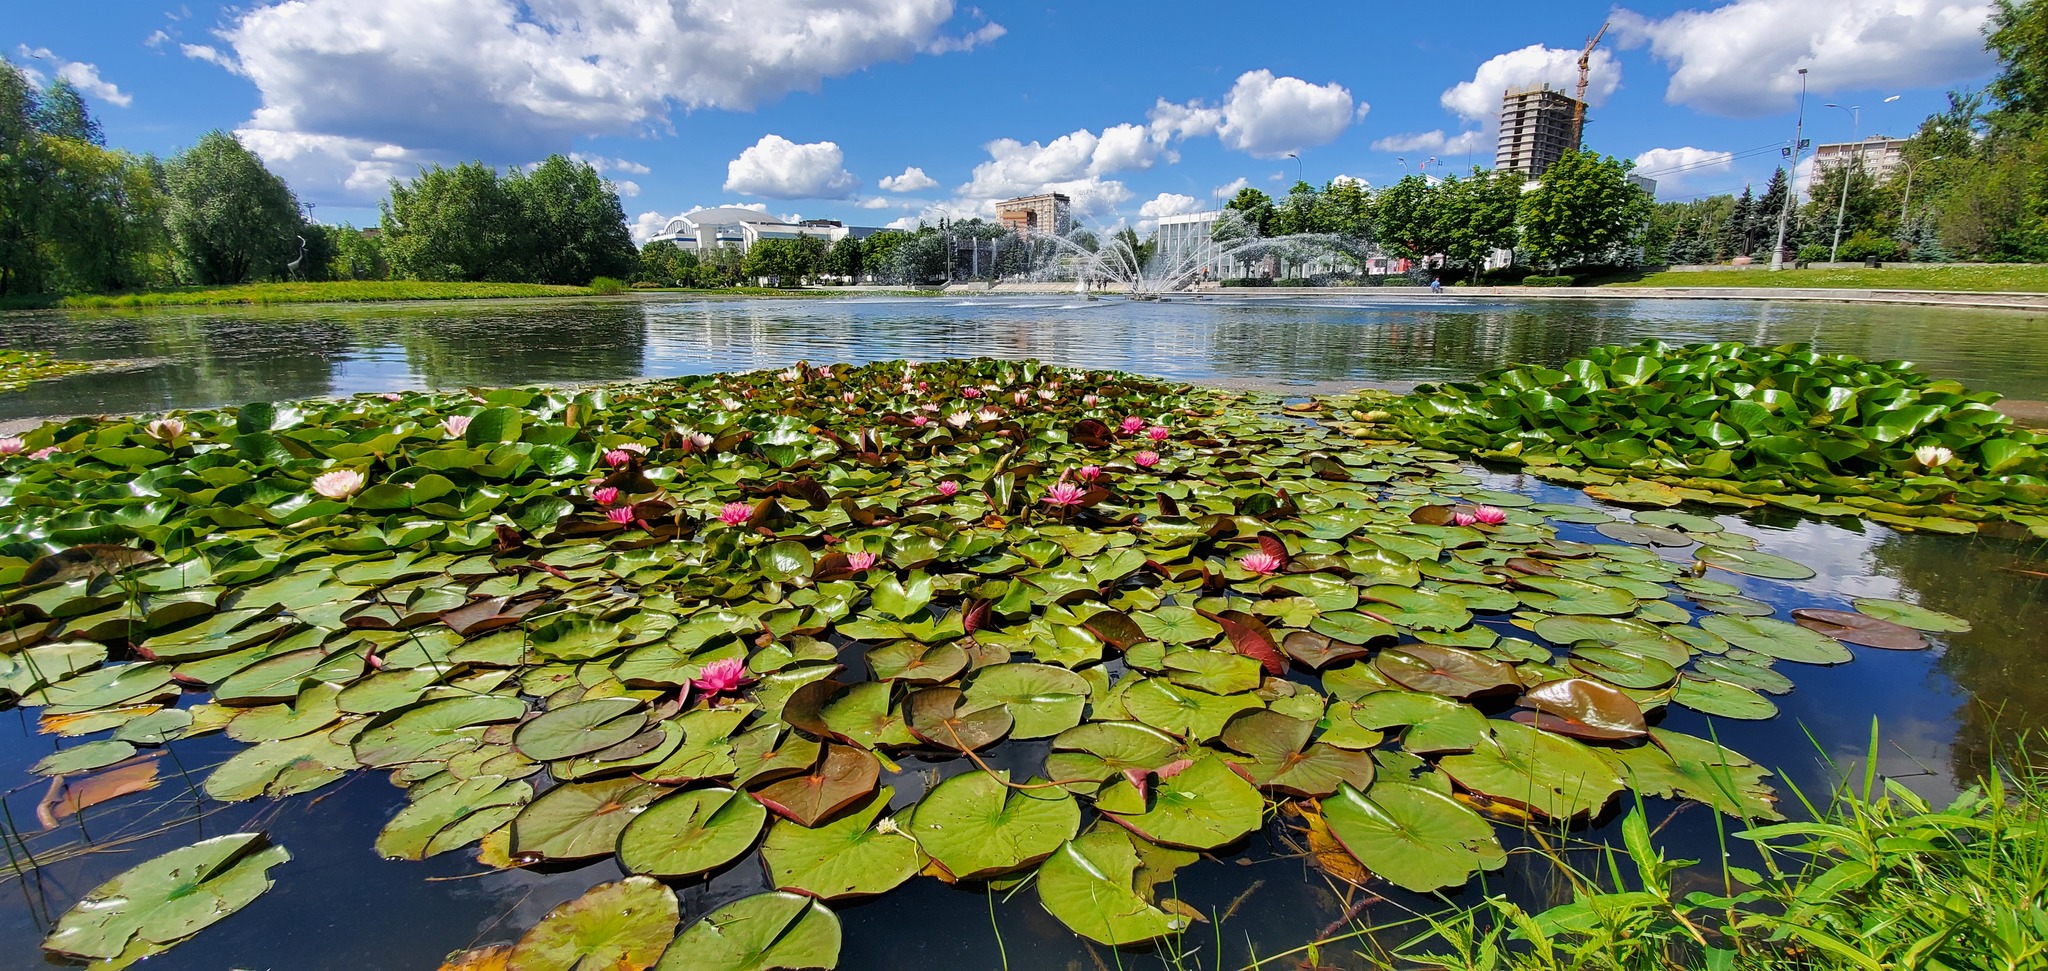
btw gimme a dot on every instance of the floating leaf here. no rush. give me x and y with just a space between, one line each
1767 565
1522 766
1786 642
1444 670
764 932
1850 627
1722 698
1584 709
848 857
976 826
1414 837
156 904
579 820
579 729
1203 806
1091 885
842 776
691 832
1912 615
621 926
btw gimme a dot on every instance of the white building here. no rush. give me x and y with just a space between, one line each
1186 240
1878 155
708 229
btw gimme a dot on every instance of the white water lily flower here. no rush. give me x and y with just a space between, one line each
1933 455
959 419
165 429
338 484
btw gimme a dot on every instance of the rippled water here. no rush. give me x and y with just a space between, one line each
192 358
337 906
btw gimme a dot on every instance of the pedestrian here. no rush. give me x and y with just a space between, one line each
1436 285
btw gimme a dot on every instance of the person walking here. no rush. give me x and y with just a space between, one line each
1436 285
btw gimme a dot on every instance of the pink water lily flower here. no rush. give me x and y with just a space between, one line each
455 425
45 452
617 457
12 446
1091 400
1157 433
605 496
949 488
1047 394
970 392
1021 398
1088 473
920 420
735 513
1064 494
861 561
166 429
621 515
1146 460
1133 425
1261 563
1463 518
720 677
1490 515
338 484
846 396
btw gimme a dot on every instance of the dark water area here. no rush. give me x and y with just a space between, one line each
187 358
336 905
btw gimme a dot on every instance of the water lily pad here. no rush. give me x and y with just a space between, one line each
1622 668
1092 884
1775 638
1554 777
977 826
1621 633
1042 700
1099 750
1201 807
1851 627
1643 535
1682 766
1414 837
1912 615
1561 595
84 758
1584 709
1184 711
579 820
1723 698
1744 673
1767 565
580 729
842 775
156 904
436 729
691 832
852 856
282 768
934 715
1444 670
621 926
764 932
418 830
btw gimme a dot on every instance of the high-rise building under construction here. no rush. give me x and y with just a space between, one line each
1535 129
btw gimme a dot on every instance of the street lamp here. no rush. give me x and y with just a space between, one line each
1792 185
1908 200
1848 171
1298 167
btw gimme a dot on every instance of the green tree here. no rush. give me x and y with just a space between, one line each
1738 232
1478 216
358 255
1867 206
2018 34
844 259
788 261
878 253
451 224
1345 210
1409 219
61 113
568 226
1256 208
1584 211
104 219
23 166
230 219
920 257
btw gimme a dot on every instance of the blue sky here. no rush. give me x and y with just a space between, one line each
875 111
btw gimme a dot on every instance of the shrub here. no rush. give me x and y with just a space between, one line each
1869 245
1248 281
607 285
1539 280
1812 253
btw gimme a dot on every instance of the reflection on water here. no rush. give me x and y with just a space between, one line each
337 906
195 358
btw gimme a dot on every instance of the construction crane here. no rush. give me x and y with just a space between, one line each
1579 107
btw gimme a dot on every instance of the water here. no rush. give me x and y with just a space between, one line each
184 358
337 906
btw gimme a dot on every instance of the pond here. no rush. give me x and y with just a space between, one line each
337 905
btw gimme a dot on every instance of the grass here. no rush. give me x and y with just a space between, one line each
343 291
1970 278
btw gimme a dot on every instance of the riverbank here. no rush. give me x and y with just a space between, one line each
353 291
1970 278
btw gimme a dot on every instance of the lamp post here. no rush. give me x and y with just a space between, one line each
1792 183
1908 200
1298 167
1848 171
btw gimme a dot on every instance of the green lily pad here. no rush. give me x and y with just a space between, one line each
1767 565
977 826
1042 700
1092 884
84 758
1416 838
691 832
1201 807
579 820
156 904
448 818
1548 775
1446 671
764 932
1912 615
1723 699
1681 766
579 729
1775 638
621 926
852 856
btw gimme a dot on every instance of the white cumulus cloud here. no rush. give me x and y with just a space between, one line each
1741 59
1231 188
1169 204
781 169
1671 167
913 179
1270 116
1479 99
83 76
504 81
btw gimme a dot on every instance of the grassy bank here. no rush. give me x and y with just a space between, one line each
346 291
1987 278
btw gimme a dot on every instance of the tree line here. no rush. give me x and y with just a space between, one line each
1970 185
77 216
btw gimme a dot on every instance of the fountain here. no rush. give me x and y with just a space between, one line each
1114 263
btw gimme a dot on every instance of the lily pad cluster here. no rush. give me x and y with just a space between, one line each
19 369
1736 425
731 620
